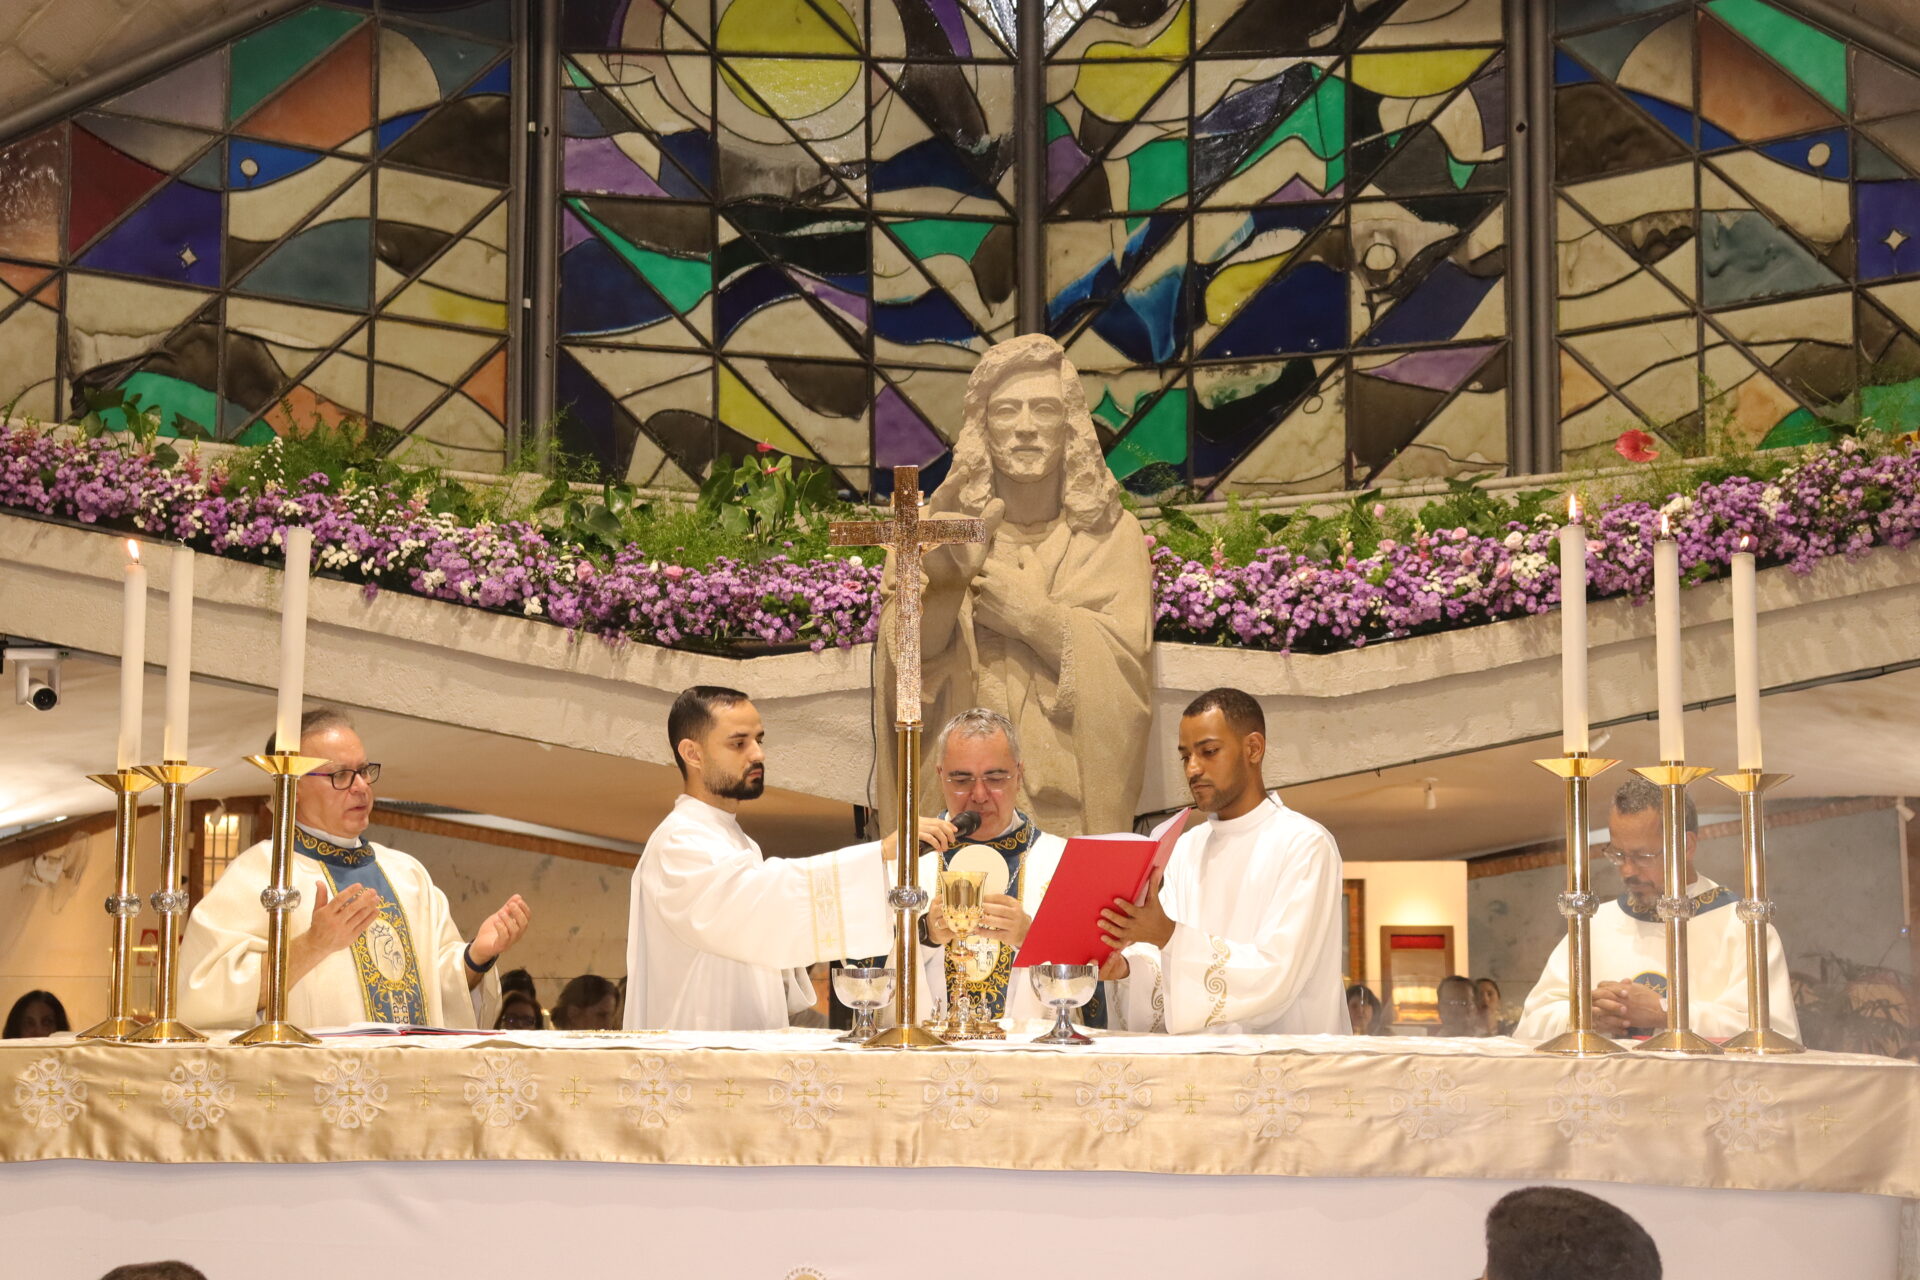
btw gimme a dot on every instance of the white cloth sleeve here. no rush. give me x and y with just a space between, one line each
1544 1015
781 913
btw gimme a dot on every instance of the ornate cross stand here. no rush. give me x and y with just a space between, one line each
906 535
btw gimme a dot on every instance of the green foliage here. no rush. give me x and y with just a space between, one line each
128 424
768 507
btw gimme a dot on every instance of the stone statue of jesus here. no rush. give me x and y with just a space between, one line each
1050 619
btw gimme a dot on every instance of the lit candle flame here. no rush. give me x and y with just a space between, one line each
1666 526
1573 508
1745 542
133 548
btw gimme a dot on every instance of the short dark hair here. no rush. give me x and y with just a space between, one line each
692 715
586 990
313 720
518 980
1556 1233
17 1016
169 1270
1242 710
1638 794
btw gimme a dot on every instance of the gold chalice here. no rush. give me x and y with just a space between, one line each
961 901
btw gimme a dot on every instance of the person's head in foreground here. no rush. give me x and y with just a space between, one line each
1556 1233
168 1270
1633 842
36 1014
1223 739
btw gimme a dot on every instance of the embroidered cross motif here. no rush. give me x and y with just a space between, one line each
424 1093
1350 1103
1190 1097
1506 1106
1825 1117
1666 1111
1037 1095
123 1094
729 1093
271 1094
574 1094
881 1095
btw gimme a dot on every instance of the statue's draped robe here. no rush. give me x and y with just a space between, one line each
1255 949
1631 946
719 937
1083 726
409 967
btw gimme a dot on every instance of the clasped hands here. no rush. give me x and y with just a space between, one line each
1619 1006
1011 594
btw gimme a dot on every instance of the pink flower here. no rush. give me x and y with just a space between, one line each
674 572
1636 446
763 447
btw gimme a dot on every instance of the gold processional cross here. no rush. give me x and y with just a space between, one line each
906 535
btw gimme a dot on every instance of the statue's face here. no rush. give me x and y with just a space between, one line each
1027 425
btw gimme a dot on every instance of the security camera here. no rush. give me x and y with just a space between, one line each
36 676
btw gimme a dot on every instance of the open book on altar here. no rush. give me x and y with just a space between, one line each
1093 871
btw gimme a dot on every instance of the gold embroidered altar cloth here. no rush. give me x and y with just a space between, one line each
1324 1107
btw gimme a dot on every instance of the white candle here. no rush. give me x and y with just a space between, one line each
293 639
1746 658
133 657
1573 631
179 651
1666 621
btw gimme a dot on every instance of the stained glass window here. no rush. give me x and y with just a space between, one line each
1738 225
1275 238
310 221
786 223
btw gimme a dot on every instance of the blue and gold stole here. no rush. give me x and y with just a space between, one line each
383 956
986 966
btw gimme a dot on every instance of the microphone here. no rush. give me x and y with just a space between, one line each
964 825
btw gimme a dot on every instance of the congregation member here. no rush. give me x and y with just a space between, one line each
980 770
1557 1233
1493 1013
518 1012
1363 1010
1459 1004
1242 933
36 1014
372 939
588 1003
1630 942
718 937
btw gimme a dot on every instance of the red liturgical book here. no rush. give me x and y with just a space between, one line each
1093 871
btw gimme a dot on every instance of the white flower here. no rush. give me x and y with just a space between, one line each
531 607
433 579
1515 540
1771 500
1677 506
856 562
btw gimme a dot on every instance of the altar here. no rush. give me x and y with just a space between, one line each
784 1154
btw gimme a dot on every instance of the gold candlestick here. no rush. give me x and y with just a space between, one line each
122 906
280 897
1756 912
907 898
1577 770
1673 777
170 900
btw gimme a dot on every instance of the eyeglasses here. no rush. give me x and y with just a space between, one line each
996 780
343 778
1645 861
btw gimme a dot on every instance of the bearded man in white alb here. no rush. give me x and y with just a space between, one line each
372 939
719 937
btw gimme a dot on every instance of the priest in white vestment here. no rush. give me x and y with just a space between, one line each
1242 934
719 937
372 939
1630 943
980 771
